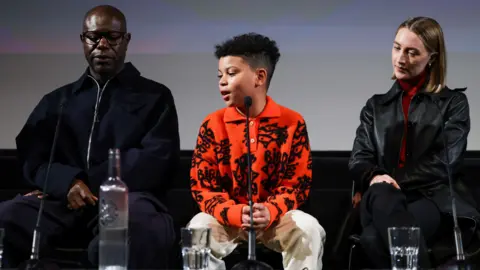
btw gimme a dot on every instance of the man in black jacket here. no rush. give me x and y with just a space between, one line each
110 106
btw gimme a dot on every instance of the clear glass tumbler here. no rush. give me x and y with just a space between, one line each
404 243
195 248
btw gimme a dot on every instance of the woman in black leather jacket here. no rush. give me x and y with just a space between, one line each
399 154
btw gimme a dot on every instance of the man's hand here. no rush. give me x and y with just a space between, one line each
246 217
384 178
37 193
79 194
261 216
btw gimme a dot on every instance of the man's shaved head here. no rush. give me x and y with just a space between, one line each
106 11
105 41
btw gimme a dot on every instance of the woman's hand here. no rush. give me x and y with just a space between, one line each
384 178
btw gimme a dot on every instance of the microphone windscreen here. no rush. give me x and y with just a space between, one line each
247 101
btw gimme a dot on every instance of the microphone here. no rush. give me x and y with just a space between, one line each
251 263
34 262
460 255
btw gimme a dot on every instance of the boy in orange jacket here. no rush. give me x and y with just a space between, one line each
280 156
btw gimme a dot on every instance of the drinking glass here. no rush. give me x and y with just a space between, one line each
195 248
404 243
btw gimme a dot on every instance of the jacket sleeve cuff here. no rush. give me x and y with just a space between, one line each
59 180
273 214
233 216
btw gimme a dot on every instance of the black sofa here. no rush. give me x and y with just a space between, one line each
329 200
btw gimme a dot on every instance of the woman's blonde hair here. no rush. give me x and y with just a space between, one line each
431 34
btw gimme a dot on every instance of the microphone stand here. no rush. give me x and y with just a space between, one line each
35 262
460 261
251 263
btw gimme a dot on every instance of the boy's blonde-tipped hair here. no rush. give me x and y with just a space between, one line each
431 34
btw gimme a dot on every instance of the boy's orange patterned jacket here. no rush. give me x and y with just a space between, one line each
281 163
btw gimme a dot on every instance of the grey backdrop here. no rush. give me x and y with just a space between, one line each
335 55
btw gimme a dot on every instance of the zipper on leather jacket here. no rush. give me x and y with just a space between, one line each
95 117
